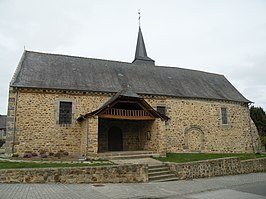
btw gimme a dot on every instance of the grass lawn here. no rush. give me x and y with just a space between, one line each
19 165
190 157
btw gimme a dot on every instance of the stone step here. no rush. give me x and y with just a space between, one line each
127 154
135 156
160 173
156 173
166 179
158 168
162 177
118 153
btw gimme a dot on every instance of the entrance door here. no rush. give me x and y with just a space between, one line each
115 139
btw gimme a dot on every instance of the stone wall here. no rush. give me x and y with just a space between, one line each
217 167
194 125
36 121
99 174
92 147
252 166
132 173
255 137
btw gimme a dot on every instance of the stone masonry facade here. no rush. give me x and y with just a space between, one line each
195 125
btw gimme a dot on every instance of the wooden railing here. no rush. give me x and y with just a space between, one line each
125 112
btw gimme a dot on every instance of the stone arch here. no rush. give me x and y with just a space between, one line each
194 139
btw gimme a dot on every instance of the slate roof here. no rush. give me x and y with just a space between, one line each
52 71
2 121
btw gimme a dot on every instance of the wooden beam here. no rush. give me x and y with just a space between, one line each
127 117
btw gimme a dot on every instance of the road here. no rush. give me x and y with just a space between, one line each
250 186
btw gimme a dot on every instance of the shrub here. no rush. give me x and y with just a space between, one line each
58 155
51 154
27 155
263 140
61 153
34 154
44 156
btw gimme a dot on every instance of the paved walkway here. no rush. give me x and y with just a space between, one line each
218 187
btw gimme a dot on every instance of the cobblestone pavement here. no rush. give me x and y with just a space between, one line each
239 186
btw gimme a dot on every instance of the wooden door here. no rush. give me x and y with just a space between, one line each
115 139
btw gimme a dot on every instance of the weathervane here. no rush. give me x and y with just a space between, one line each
139 17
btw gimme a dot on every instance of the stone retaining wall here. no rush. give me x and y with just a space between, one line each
217 167
99 174
252 166
131 173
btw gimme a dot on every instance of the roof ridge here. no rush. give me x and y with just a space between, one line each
74 56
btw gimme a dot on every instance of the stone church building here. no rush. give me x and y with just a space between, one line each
89 106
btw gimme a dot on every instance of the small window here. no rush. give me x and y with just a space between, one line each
161 109
224 116
65 113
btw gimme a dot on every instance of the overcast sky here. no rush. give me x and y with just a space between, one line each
220 36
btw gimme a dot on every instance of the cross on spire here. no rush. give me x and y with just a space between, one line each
139 17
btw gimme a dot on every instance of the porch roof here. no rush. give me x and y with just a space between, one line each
128 96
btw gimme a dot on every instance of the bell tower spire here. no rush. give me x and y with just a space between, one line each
141 56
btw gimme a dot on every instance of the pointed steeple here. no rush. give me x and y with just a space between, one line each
141 56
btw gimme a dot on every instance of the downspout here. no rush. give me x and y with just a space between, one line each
14 121
87 136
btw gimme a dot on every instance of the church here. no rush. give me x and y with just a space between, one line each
90 106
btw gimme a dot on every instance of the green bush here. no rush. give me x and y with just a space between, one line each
263 140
